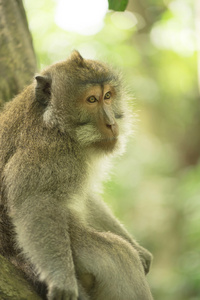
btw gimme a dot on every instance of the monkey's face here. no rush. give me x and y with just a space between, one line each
86 101
97 125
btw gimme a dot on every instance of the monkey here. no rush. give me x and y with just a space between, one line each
56 139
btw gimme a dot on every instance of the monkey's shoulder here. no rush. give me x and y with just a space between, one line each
39 170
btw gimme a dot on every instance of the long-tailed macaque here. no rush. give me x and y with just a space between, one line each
55 139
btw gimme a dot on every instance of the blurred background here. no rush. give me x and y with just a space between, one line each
154 189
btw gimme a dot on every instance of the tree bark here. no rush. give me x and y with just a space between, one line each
17 57
13 285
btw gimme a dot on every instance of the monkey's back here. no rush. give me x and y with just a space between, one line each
11 119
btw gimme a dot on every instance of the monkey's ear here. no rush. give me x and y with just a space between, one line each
75 56
43 89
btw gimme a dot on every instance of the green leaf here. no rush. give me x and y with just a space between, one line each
118 5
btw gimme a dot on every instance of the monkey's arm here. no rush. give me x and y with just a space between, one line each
42 233
41 225
102 219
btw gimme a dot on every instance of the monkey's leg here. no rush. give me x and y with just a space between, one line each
112 262
101 218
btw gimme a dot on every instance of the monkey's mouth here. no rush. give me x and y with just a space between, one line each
110 139
113 130
106 143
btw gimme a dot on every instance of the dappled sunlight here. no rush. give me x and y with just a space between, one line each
84 17
176 30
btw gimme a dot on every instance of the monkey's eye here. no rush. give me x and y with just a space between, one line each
91 99
107 95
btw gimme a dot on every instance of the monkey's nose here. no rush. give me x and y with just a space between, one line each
113 128
109 126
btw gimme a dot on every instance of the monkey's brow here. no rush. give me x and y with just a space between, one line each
97 80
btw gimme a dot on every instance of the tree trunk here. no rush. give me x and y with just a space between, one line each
17 67
17 58
13 285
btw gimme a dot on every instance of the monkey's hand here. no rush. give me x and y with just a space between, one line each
56 293
146 258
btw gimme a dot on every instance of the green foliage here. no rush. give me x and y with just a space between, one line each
118 5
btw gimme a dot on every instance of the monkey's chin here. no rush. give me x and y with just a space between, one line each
106 144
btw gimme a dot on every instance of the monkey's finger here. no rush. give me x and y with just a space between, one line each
60 294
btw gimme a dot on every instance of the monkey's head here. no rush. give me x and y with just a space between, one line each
85 99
